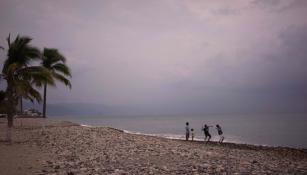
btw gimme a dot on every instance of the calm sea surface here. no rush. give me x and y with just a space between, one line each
263 129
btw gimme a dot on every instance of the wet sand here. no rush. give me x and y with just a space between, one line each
65 147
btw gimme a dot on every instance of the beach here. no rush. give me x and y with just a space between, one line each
63 147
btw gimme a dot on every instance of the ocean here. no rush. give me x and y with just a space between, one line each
261 129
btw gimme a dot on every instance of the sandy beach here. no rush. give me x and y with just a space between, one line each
67 148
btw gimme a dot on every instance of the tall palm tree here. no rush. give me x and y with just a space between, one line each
55 62
21 76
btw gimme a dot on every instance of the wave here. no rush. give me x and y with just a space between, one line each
88 126
228 138
231 139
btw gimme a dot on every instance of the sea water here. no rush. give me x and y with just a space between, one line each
262 129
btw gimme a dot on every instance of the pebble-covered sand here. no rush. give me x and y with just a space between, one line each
66 148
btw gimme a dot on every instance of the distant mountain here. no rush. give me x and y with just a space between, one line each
171 109
74 109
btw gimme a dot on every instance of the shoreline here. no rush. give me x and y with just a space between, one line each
233 144
64 147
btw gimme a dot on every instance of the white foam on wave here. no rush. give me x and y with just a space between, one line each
228 138
168 136
88 126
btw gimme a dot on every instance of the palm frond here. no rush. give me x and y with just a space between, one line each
20 51
62 68
26 90
54 61
34 94
62 79
37 75
8 39
52 56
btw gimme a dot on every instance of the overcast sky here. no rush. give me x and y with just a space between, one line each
188 55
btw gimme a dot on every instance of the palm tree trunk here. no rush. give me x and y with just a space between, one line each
10 118
44 105
21 106
9 128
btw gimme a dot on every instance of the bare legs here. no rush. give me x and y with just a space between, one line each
207 136
221 139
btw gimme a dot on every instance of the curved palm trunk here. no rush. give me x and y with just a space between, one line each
44 105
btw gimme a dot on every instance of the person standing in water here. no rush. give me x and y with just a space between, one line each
220 132
187 131
206 132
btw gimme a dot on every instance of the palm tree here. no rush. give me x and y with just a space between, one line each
54 61
21 76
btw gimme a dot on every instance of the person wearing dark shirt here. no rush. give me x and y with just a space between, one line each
206 132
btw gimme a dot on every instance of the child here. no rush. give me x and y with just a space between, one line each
220 132
192 132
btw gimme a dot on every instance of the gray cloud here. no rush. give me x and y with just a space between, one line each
281 5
